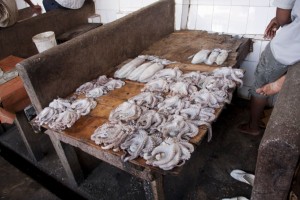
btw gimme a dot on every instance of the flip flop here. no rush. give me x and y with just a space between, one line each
235 198
242 176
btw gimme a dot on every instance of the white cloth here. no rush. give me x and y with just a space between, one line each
71 4
285 45
8 13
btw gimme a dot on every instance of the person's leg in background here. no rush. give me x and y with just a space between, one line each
51 5
268 70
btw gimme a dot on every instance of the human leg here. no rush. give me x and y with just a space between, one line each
51 5
268 70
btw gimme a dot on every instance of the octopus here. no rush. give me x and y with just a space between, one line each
170 153
84 88
112 135
64 120
150 119
126 112
60 104
146 99
139 144
113 83
83 106
194 78
96 92
46 116
168 74
172 105
177 126
205 98
229 73
156 85
182 89
102 80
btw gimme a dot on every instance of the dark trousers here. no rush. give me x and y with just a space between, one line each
51 5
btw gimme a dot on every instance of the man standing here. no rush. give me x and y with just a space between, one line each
280 53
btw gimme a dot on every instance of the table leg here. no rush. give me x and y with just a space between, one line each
30 138
154 189
69 160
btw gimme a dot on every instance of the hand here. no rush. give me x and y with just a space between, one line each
37 9
271 29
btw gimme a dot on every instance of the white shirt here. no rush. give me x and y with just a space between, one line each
285 45
71 4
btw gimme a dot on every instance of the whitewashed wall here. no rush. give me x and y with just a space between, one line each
247 18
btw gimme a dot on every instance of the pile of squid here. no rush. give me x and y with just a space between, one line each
141 68
208 57
99 87
158 123
63 113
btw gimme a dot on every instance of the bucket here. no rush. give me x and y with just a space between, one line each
44 41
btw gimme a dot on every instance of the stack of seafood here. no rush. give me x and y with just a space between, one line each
208 57
141 68
158 123
63 113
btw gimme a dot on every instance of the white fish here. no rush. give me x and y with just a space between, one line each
135 74
150 71
212 57
201 56
126 69
222 57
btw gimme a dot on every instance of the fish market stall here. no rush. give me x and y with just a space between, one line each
112 110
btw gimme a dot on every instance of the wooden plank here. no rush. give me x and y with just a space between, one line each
179 46
9 63
109 156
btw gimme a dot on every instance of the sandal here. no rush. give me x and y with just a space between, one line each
236 198
242 176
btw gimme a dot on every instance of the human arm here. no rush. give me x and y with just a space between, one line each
283 17
36 8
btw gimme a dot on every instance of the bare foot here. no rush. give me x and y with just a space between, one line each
245 128
271 88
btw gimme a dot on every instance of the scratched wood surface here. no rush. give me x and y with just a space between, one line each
179 46
175 47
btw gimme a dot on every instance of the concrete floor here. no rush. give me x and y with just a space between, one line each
204 177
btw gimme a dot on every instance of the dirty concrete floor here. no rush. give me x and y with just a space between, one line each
14 184
204 177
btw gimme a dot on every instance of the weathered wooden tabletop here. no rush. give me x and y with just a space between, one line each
175 47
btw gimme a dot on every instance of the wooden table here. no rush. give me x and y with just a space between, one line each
78 136
14 99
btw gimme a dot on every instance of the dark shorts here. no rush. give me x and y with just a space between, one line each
267 71
51 5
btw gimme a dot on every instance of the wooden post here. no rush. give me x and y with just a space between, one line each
154 189
69 160
30 138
